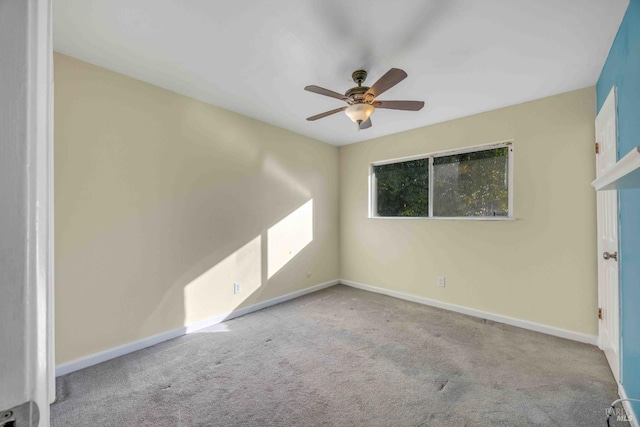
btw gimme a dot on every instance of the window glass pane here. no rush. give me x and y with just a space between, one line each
403 188
472 184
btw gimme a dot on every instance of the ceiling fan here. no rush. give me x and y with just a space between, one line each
362 99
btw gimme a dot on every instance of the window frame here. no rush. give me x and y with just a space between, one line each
373 187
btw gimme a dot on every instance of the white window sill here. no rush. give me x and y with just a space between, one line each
455 218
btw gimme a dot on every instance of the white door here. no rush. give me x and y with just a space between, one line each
26 368
607 205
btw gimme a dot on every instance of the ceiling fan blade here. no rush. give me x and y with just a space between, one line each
366 124
389 80
400 105
325 114
326 92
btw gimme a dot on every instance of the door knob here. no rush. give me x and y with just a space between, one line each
607 255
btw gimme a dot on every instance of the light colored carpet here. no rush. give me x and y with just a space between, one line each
345 357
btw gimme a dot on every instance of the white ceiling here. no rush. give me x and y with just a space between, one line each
256 56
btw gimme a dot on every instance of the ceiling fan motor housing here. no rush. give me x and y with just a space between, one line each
357 94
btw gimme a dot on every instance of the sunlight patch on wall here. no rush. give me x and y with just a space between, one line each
288 237
213 291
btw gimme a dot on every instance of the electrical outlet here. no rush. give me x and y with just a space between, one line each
236 288
441 281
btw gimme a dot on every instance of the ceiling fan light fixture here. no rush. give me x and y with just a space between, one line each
359 113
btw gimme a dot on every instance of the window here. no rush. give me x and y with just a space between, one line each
403 188
469 183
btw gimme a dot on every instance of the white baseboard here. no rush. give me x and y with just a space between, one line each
525 324
633 420
103 356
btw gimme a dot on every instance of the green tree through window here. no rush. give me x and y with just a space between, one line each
471 184
403 188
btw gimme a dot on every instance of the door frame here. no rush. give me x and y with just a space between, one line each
26 190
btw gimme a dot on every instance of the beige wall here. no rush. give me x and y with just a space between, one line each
162 202
539 268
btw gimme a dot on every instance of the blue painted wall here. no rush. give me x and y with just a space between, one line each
622 69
